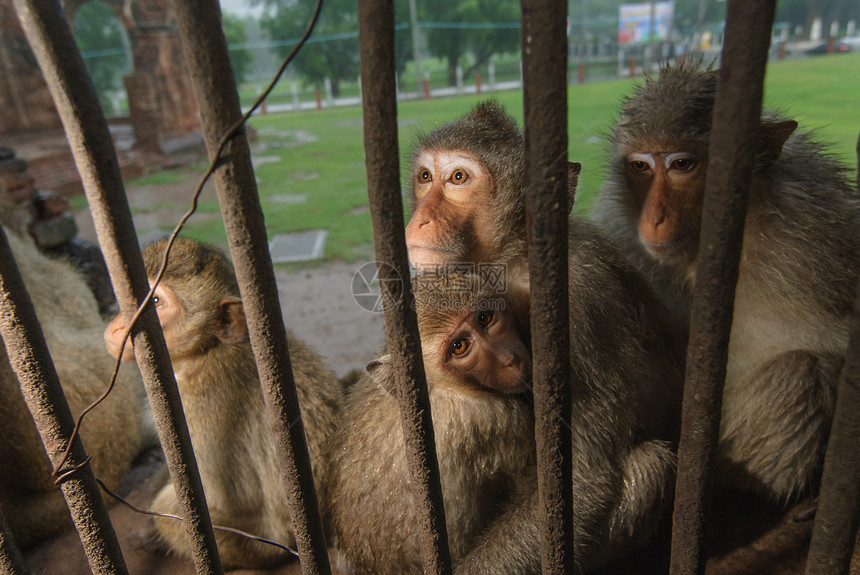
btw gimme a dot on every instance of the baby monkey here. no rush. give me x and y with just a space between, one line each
204 326
478 368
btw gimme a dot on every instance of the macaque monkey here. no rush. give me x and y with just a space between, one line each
114 433
204 326
478 369
627 357
797 278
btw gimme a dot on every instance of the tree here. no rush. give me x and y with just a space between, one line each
332 51
479 27
100 38
402 36
240 57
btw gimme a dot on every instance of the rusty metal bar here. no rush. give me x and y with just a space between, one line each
376 51
208 60
11 562
49 35
40 384
737 110
834 533
544 47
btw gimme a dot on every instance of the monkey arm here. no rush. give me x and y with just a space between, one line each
776 419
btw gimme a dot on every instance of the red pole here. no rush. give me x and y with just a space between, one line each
318 97
632 67
426 89
478 84
582 73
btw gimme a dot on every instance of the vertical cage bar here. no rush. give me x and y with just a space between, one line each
834 533
737 110
376 49
11 562
50 37
208 60
31 362
544 47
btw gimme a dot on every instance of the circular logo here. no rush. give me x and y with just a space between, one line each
376 286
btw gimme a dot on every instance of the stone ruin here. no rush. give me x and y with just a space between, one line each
37 168
163 112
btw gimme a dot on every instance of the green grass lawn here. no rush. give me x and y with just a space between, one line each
314 176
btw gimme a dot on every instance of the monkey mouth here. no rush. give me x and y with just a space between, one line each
127 351
662 250
424 257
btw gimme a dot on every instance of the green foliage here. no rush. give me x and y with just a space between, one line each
332 51
318 156
99 35
242 59
453 42
403 46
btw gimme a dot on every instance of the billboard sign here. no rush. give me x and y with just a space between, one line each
634 23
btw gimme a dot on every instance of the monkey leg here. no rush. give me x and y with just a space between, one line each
775 422
235 550
33 517
511 544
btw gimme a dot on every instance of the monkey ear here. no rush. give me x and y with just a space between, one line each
381 371
232 327
573 170
772 138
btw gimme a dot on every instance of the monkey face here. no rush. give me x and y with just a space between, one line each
485 350
667 189
451 223
114 334
170 312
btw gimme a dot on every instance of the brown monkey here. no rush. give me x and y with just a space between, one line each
798 271
204 326
477 369
627 356
114 433
467 193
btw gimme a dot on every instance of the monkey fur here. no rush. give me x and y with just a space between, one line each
626 356
114 433
484 445
797 277
223 403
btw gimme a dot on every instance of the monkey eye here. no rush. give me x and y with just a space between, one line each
683 164
460 346
156 301
424 176
459 177
639 166
485 318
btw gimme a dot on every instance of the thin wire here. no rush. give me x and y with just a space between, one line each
178 518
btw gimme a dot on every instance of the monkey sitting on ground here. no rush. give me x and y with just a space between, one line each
204 327
114 433
624 351
477 369
797 278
